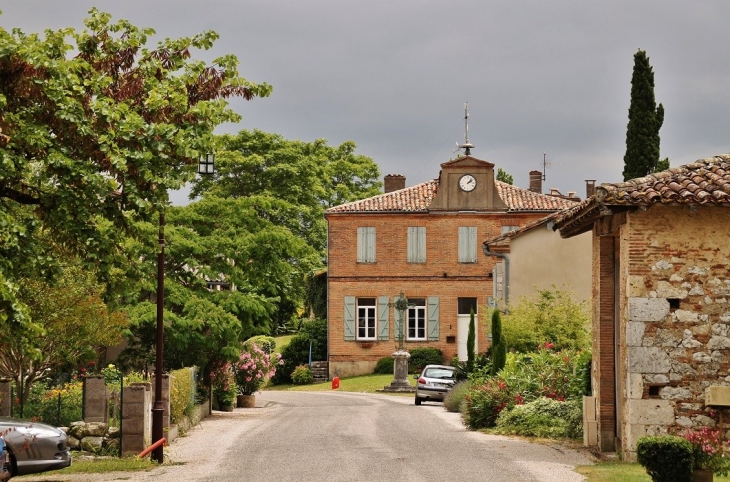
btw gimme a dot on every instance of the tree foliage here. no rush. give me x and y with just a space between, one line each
71 323
499 347
504 176
470 341
93 136
645 120
551 316
291 183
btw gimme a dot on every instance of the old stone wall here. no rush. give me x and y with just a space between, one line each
441 275
675 318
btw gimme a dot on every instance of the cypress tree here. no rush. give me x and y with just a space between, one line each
645 120
470 343
499 344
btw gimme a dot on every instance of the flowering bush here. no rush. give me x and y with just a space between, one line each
253 368
223 383
707 450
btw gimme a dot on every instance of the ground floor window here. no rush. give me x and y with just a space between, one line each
417 319
366 318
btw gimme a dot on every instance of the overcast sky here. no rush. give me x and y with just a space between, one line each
393 76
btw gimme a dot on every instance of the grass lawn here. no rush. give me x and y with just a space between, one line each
101 465
281 342
625 472
362 384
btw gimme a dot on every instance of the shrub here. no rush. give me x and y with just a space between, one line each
543 417
499 347
58 406
302 375
224 384
422 356
384 366
707 450
550 316
182 393
253 368
454 399
266 343
666 458
485 402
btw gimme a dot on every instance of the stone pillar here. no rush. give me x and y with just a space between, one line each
136 418
96 399
165 400
6 397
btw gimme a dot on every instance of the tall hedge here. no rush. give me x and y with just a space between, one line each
499 343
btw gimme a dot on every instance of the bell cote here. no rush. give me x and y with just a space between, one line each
467 184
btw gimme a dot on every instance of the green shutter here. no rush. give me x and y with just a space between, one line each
433 318
416 244
398 329
349 317
383 321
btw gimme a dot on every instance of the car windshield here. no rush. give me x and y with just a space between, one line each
442 373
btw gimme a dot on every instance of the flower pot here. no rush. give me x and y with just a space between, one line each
246 401
702 475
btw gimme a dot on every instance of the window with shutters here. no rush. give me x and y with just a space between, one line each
366 316
417 244
416 319
467 244
366 244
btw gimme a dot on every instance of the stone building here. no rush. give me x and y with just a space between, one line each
661 292
424 241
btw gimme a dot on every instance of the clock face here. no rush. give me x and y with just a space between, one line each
467 182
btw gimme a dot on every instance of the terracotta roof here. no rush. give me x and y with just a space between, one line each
706 181
418 198
503 240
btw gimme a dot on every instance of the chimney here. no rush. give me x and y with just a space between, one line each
590 187
536 181
393 182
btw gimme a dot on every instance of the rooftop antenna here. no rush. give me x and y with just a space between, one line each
467 146
545 163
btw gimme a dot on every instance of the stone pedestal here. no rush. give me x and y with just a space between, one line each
6 397
400 381
136 418
96 399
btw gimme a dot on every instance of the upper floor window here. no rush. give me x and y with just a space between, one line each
467 244
417 244
366 244
417 319
366 320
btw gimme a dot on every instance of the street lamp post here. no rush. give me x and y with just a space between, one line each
206 165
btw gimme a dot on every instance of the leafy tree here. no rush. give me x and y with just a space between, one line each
93 136
499 347
71 323
551 316
662 165
470 338
645 120
504 176
290 182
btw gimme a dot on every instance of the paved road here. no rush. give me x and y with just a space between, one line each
334 436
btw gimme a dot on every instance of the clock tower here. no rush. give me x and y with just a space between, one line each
467 184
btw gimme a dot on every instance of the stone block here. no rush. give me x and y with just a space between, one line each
666 290
650 412
648 309
646 359
683 316
635 286
674 393
636 385
718 343
590 434
134 426
635 333
717 396
589 409
133 444
92 444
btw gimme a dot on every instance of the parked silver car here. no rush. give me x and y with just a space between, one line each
33 446
434 383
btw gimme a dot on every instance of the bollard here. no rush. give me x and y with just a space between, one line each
335 383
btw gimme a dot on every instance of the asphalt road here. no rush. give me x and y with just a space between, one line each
337 436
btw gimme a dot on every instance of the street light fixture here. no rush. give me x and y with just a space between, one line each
206 166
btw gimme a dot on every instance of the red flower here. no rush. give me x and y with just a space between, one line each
92 363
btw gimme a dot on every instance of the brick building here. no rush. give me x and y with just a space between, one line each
424 241
661 300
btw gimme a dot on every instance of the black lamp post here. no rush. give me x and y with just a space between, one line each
206 165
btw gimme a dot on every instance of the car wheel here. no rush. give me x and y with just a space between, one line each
418 401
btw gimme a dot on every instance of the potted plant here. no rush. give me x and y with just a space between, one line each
708 454
224 386
252 369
